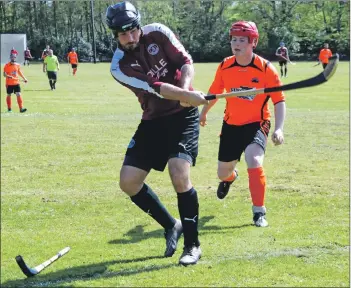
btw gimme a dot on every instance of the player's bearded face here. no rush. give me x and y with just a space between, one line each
240 46
129 40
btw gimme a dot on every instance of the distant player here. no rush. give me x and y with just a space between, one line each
324 55
27 56
11 72
51 66
45 52
246 122
283 54
13 51
72 59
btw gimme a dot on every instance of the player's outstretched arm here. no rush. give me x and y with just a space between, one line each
171 92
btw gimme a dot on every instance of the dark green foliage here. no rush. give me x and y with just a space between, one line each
202 26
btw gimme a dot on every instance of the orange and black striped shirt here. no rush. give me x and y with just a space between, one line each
231 76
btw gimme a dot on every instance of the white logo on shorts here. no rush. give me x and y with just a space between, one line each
153 49
131 143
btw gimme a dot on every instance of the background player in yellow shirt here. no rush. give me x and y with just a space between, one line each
11 71
51 66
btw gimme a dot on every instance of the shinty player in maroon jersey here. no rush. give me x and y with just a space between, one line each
153 64
283 55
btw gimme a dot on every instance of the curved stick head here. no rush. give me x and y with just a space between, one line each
331 67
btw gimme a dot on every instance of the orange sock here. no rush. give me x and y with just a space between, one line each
20 102
8 102
231 178
257 185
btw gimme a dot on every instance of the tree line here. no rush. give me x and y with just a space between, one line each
202 26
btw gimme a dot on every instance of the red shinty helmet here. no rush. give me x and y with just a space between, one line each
244 28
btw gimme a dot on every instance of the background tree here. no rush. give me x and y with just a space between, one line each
202 25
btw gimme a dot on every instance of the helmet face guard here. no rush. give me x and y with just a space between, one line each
122 17
245 29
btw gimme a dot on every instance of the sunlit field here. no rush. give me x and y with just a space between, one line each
60 166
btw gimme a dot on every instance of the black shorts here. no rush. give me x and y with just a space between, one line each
235 139
158 140
27 58
282 62
74 65
52 75
324 65
13 89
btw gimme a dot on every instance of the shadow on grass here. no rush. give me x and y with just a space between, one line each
138 234
86 273
38 89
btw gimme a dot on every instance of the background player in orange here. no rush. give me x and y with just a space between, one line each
324 55
72 59
11 72
283 54
247 119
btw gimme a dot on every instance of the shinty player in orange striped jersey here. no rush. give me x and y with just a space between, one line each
247 119
72 59
324 55
12 71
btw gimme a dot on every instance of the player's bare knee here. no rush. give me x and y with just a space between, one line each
254 161
129 186
180 180
131 183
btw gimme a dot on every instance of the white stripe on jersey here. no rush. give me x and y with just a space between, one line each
170 35
131 81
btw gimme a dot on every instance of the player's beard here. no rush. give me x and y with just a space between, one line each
130 46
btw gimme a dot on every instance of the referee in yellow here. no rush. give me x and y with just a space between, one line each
51 66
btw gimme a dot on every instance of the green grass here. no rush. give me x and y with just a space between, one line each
59 187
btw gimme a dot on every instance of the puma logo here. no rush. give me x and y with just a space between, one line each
191 219
136 64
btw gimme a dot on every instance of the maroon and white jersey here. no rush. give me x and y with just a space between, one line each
27 54
283 51
158 59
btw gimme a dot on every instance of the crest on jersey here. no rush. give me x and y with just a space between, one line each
255 80
153 49
131 143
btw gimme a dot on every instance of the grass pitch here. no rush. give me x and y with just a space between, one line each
60 166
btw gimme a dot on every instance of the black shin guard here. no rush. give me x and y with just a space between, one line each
188 206
148 201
